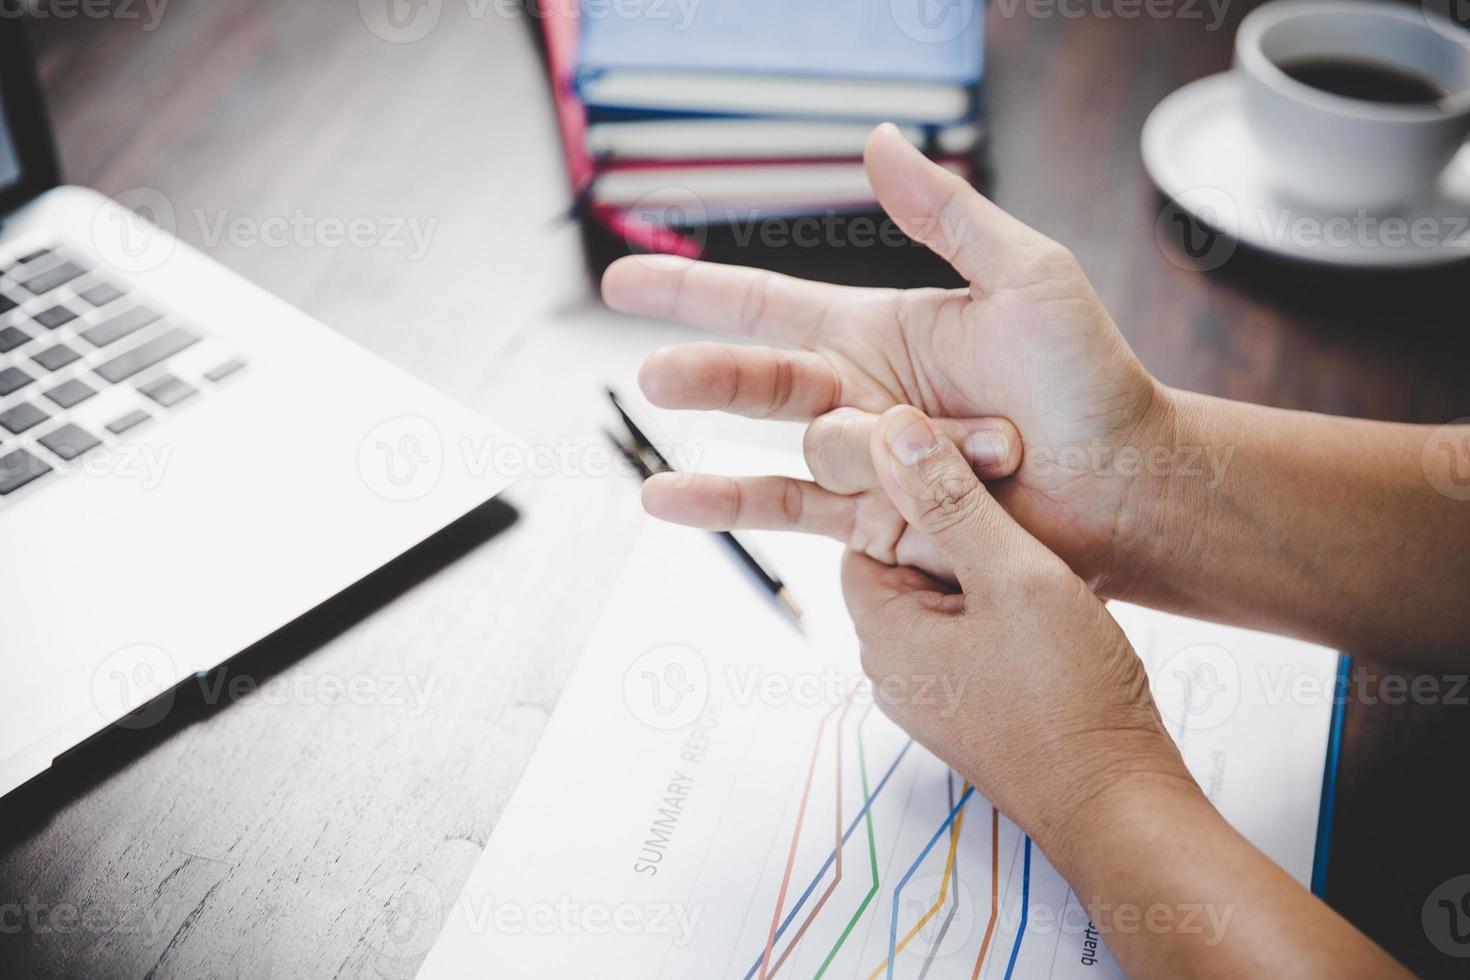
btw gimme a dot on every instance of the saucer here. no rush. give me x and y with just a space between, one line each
1198 151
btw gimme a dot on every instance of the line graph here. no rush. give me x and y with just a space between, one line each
789 927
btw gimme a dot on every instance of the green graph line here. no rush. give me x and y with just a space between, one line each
872 848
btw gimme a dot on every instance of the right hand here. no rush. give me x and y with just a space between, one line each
1049 708
1028 341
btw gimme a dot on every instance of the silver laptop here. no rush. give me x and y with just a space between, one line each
187 464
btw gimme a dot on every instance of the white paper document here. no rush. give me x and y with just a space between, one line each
716 796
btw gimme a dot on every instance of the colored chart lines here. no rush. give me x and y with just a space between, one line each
872 850
893 947
837 847
806 795
816 879
994 891
1025 909
954 907
778 949
893 926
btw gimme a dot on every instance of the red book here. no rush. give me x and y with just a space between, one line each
559 25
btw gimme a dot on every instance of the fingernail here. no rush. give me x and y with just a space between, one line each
914 442
987 449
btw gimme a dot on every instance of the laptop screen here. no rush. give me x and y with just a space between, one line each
27 158
9 159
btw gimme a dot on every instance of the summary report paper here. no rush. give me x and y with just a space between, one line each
717 796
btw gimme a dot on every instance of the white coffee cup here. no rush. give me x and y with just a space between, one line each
1345 154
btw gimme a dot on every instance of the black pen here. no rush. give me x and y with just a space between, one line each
645 456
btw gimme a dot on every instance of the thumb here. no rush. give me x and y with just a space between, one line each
933 486
939 208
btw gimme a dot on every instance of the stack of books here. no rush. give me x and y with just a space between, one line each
682 116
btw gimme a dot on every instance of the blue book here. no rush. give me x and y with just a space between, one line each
909 61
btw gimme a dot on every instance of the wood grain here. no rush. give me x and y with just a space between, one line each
282 835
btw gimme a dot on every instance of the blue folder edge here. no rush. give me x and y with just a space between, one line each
1329 777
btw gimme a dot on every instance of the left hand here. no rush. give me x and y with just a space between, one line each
1053 709
1028 341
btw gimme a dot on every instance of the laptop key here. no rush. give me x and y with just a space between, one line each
11 338
58 275
143 356
134 418
55 358
70 393
19 468
168 390
22 417
13 379
116 328
57 316
224 370
30 257
70 441
6 304
102 294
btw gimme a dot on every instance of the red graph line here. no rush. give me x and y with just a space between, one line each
806 793
837 847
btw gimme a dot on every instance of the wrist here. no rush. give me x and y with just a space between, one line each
1162 520
1128 805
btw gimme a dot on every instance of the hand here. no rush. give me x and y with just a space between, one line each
1050 707
1028 341
844 501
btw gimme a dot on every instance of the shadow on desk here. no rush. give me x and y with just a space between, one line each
1412 302
77 772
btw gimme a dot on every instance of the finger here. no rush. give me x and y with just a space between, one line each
884 599
773 503
937 492
836 448
761 382
939 208
752 302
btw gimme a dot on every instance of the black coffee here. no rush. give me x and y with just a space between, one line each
1365 80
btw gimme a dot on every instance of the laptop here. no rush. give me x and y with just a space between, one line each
187 463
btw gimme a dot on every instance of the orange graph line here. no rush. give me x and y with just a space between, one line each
954 841
837 877
806 793
994 889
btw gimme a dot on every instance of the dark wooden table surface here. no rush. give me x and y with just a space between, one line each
277 834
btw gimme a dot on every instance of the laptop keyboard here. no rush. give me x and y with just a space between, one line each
84 358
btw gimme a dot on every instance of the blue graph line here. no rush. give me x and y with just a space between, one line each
1025 906
833 856
893 923
1329 777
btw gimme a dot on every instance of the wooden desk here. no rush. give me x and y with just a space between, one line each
269 835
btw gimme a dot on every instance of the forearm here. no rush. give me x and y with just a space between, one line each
1324 528
1175 892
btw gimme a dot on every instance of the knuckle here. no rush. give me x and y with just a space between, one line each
783 383
735 504
1056 259
947 498
792 503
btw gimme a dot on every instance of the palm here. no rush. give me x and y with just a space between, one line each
1046 356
